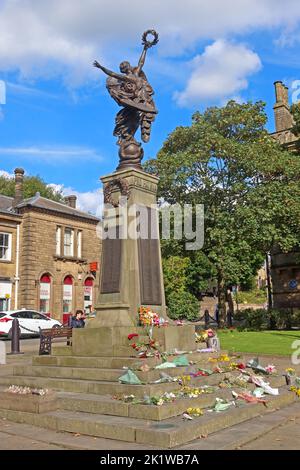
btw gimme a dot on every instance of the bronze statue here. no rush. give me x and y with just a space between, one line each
132 91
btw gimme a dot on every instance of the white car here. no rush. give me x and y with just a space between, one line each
30 322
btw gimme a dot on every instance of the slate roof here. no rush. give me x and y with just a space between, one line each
5 203
42 203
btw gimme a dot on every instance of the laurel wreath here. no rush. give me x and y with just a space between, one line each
119 183
145 40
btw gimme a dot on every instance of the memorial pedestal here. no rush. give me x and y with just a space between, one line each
131 269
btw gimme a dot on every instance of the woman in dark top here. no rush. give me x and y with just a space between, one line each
78 320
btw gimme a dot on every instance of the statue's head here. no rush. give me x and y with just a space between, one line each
125 67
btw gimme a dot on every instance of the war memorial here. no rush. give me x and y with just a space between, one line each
132 374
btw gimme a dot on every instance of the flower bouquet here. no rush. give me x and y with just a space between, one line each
148 318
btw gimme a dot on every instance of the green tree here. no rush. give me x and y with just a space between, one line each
249 186
32 185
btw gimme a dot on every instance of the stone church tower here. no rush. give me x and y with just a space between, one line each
285 268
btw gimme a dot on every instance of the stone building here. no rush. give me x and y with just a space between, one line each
49 254
285 267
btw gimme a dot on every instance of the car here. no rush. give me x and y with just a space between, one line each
30 322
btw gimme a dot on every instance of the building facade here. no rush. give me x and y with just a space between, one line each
49 254
285 267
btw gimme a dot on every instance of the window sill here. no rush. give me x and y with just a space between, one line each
7 261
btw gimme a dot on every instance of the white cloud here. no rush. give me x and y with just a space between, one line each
219 73
89 201
52 154
6 174
53 38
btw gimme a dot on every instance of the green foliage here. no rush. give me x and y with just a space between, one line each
183 305
253 320
248 184
175 275
32 185
262 319
254 296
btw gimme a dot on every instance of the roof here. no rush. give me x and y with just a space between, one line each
42 203
5 203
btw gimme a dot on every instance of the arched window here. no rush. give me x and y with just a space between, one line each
45 293
88 294
67 294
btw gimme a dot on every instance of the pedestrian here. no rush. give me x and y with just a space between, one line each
78 320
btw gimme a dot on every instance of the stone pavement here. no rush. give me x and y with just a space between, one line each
275 431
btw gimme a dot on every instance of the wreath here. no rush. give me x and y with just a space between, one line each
119 183
145 40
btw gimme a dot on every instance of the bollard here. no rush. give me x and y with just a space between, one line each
206 319
2 353
15 338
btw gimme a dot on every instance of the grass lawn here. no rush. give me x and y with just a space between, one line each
261 342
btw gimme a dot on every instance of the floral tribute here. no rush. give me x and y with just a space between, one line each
148 318
18 390
147 348
203 336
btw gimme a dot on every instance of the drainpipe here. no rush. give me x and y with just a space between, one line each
17 279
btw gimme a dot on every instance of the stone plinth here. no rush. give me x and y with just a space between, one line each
113 341
131 269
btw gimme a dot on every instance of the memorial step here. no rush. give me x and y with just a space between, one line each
116 362
172 432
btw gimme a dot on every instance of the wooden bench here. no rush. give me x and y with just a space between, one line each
47 335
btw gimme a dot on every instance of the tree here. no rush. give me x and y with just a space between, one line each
248 184
32 185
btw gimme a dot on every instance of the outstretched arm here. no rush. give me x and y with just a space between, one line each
142 60
110 72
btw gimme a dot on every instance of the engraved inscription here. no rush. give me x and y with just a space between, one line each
149 264
111 270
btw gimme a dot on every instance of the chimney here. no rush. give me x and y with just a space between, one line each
71 201
19 177
283 116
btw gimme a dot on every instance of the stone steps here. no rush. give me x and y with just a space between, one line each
117 362
89 386
108 406
172 432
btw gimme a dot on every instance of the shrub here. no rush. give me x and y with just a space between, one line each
253 320
262 319
183 305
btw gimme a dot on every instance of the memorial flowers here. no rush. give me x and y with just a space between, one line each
147 348
148 318
194 412
203 336
18 390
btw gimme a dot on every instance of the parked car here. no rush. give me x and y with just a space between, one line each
30 322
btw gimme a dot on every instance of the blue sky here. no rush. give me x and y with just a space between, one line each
58 117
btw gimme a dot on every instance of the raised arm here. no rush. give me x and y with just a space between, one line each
142 60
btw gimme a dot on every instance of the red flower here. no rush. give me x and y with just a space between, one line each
241 366
132 335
